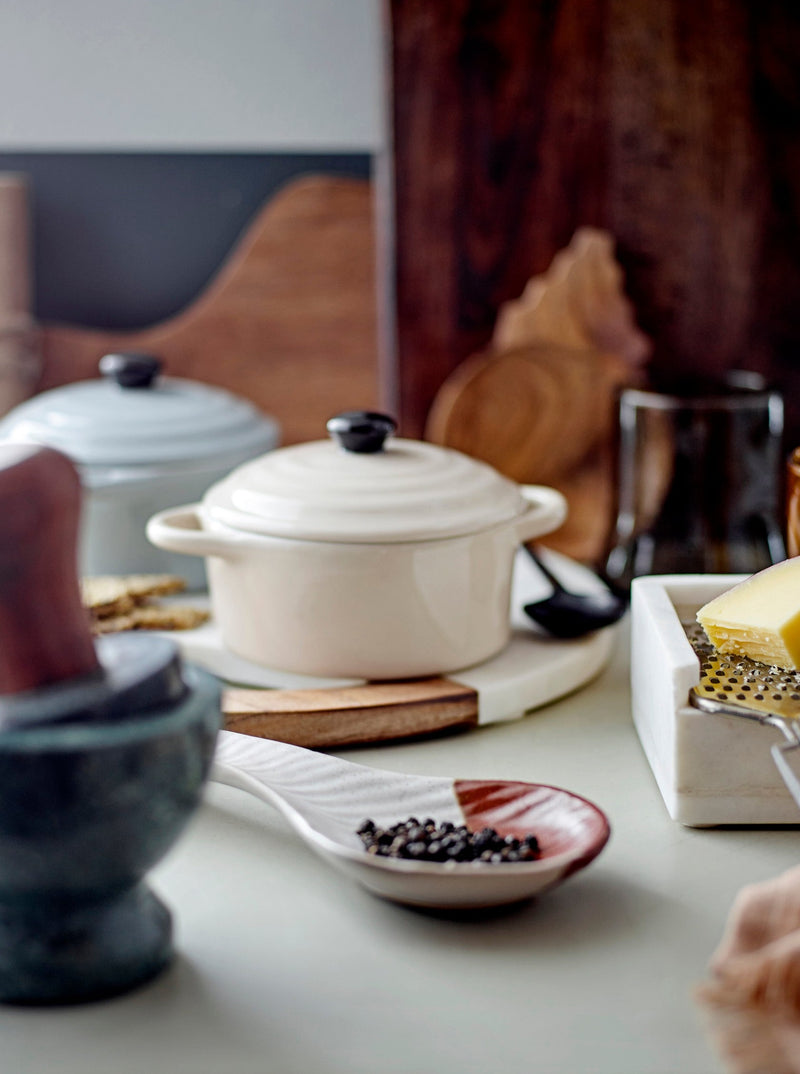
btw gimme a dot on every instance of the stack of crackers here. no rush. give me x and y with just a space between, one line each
134 602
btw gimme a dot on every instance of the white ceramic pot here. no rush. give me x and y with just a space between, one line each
361 559
141 443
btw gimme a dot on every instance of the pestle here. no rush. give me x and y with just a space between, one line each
44 628
51 668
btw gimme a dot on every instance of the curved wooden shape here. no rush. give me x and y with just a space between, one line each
541 404
541 414
18 351
579 301
289 321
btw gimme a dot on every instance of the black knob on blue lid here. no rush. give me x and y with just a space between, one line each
131 369
361 431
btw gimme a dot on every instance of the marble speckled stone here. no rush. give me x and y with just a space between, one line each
710 769
85 810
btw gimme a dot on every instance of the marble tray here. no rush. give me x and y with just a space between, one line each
710 769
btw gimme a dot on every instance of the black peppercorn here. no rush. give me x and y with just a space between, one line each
445 842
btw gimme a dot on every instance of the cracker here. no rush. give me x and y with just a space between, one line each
128 602
112 594
105 596
152 617
152 585
167 617
112 624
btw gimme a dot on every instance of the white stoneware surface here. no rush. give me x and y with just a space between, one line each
326 799
384 609
532 671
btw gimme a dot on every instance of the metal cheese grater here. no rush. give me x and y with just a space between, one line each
738 686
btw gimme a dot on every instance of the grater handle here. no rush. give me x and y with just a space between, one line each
787 760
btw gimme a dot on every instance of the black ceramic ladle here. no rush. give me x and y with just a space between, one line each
565 614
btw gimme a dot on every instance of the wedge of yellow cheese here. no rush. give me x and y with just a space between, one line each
760 617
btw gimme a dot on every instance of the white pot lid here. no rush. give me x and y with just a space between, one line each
132 416
363 486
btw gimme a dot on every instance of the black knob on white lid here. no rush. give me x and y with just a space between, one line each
361 431
131 369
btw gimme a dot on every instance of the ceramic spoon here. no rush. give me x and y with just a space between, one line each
326 799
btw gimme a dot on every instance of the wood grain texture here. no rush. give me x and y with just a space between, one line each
541 415
674 126
15 253
289 321
541 404
18 350
351 715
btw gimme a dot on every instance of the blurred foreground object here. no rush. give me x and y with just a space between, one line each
104 750
752 999
540 403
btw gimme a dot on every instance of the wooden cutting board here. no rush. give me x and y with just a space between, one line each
348 715
289 320
532 671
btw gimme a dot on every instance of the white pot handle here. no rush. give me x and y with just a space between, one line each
547 510
180 530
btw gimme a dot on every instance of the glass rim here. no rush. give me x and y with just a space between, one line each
736 398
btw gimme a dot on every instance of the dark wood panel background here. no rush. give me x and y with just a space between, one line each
674 124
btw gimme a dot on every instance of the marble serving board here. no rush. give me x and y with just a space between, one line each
711 769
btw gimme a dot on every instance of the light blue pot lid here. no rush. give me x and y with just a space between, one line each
100 423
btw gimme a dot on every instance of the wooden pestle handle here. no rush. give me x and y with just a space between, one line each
44 628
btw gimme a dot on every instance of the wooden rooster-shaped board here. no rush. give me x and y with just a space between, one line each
540 403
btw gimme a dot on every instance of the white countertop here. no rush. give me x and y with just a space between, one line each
286 967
